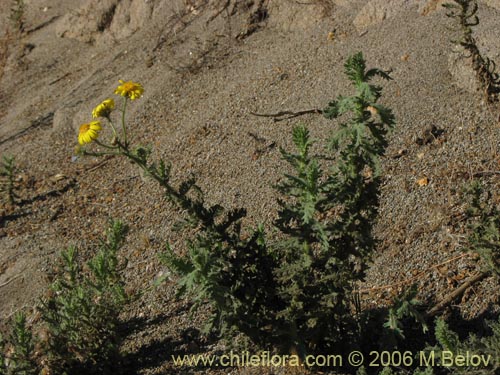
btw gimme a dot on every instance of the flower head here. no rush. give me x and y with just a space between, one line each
129 89
104 109
89 132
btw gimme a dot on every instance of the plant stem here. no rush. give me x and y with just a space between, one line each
106 146
123 122
112 127
124 150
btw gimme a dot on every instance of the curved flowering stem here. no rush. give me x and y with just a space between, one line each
109 147
129 90
113 129
124 128
195 207
98 154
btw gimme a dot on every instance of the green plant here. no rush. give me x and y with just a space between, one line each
424 371
227 267
464 11
484 219
20 359
404 306
234 277
488 348
8 183
80 317
82 311
17 13
448 339
294 291
328 216
3 365
3 359
484 240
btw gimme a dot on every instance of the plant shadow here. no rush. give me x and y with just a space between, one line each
159 353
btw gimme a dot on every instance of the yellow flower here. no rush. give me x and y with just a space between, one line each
89 132
129 89
104 109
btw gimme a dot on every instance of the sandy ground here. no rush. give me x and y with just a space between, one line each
205 67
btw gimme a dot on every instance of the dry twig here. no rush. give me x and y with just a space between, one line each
457 293
289 114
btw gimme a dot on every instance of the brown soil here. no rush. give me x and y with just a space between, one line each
205 66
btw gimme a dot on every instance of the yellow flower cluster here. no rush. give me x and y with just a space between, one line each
89 132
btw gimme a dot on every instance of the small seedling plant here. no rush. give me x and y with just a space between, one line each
8 183
17 14
484 218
